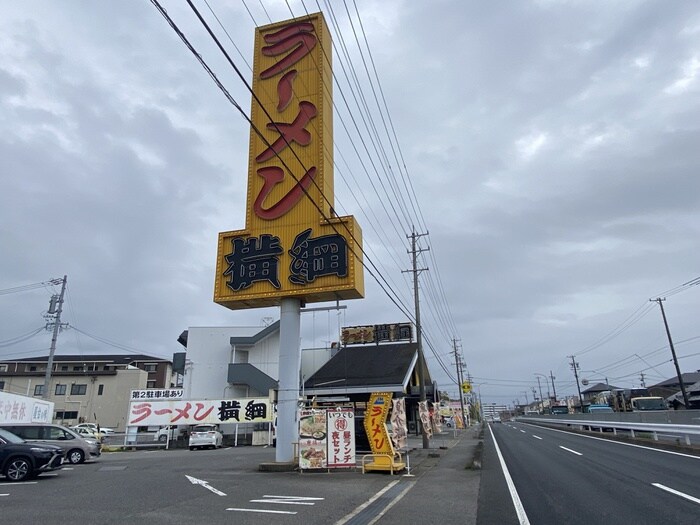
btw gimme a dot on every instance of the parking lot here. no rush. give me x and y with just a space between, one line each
181 486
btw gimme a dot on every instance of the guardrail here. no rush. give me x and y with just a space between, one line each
655 429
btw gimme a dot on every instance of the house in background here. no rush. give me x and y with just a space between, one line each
87 388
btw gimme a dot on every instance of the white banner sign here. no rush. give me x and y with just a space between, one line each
23 409
157 393
163 412
341 438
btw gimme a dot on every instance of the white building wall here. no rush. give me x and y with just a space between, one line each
209 353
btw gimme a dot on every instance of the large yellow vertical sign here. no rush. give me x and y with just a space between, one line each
293 245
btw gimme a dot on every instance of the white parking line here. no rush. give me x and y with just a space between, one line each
262 510
676 492
572 451
536 437
16 484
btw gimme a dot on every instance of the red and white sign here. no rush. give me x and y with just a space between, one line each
191 412
341 438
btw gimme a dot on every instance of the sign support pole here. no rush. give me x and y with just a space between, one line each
288 391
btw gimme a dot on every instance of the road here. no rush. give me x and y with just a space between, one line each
561 477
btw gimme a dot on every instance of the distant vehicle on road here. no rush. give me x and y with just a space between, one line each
20 461
600 408
559 409
641 404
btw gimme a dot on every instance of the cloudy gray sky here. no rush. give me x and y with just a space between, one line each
552 148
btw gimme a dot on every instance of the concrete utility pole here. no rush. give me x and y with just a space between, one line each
673 351
419 340
553 387
574 366
55 308
540 387
460 379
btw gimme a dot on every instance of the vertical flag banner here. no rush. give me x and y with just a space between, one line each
399 431
341 438
425 418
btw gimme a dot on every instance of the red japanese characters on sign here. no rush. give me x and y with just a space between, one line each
341 438
184 412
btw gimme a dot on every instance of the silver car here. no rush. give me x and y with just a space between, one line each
75 448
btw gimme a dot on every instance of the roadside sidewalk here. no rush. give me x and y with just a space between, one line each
444 480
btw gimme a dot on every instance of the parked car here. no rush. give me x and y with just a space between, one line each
449 421
20 460
89 433
95 428
75 448
205 436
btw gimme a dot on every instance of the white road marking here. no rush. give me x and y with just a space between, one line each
625 444
536 437
366 504
287 500
519 509
4 494
676 492
204 484
572 451
523 432
17 484
262 510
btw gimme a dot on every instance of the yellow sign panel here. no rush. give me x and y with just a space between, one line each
375 423
466 387
293 244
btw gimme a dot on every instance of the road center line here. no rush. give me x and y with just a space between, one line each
523 432
572 451
519 509
536 437
677 492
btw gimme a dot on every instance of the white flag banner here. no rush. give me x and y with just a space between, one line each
398 423
435 418
425 418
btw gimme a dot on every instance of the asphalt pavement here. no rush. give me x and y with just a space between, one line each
442 482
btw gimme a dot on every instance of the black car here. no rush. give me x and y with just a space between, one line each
20 460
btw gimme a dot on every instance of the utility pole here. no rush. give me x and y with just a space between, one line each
574 367
553 387
673 351
641 380
419 340
540 387
460 378
55 308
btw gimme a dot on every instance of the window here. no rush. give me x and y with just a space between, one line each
78 390
100 390
150 384
32 369
2 386
39 390
77 369
106 368
64 368
60 390
61 414
150 367
3 368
